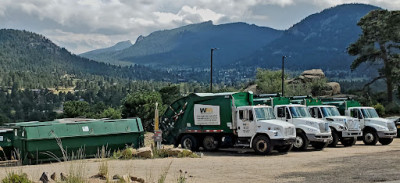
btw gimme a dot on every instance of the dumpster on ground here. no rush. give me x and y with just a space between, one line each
74 139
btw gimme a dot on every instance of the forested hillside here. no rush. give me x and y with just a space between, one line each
33 61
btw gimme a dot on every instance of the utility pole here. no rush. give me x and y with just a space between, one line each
283 75
211 70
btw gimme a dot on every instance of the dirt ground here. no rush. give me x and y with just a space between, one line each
359 163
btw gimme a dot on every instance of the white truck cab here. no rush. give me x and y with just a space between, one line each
308 130
258 127
344 128
374 128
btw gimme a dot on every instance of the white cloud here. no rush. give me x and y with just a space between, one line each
82 25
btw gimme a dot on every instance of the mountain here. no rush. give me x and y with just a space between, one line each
318 41
103 54
30 58
190 45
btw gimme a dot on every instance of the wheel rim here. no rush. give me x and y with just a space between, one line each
369 137
187 143
209 142
299 142
261 146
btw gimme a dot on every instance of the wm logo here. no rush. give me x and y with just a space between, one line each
206 110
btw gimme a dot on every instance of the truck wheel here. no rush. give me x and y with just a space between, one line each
284 149
262 145
189 142
385 141
210 144
349 142
319 145
301 142
335 139
370 137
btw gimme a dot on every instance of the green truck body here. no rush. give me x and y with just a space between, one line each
341 104
43 141
179 117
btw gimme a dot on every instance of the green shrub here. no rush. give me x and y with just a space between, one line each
185 153
16 178
380 109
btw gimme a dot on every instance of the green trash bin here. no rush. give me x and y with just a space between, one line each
75 139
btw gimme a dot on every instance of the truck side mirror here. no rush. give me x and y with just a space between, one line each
281 112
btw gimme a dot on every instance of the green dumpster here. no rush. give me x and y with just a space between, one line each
6 139
75 139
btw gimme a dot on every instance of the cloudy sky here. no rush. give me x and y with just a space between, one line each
84 25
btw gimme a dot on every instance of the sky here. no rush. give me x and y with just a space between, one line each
85 25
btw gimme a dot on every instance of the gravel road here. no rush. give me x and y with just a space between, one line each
359 163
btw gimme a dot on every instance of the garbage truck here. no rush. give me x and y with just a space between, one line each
343 128
308 130
225 120
375 129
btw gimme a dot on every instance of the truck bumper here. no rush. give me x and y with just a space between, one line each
351 134
387 134
321 137
282 142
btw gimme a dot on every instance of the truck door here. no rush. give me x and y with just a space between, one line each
246 123
284 114
315 112
356 113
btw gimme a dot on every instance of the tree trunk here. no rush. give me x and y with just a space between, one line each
388 72
389 88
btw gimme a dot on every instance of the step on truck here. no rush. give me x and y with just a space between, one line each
308 130
225 120
374 128
343 128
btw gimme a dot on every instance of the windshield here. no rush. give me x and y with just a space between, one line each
264 113
299 112
369 113
330 111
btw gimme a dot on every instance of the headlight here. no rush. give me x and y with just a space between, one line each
381 128
341 127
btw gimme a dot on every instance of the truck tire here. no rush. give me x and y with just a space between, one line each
319 145
262 145
284 149
209 143
301 142
385 141
370 137
335 139
349 142
189 142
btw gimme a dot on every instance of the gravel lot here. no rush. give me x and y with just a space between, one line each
359 163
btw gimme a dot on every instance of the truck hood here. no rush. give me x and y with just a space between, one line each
309 120
379 121
275 122
341 118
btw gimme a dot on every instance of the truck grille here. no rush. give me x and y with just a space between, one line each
323 127
290 131
353 125
391 126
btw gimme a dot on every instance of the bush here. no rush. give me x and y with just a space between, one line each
392 108
16 178
380 109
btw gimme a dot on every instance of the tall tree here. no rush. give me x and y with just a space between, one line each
379 42
142 104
